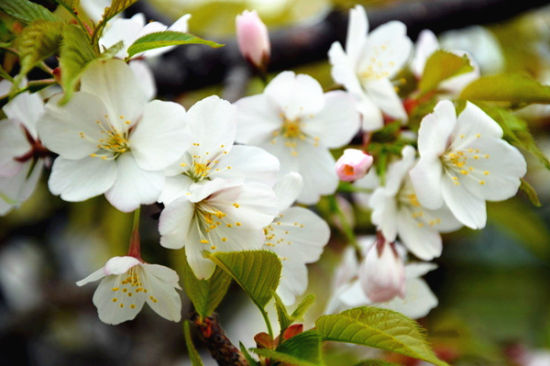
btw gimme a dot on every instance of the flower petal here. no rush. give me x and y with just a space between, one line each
372 115
287 190
120 265
13 143
94 276
26 108
174 188
125 30
473 121
422 240
436 128
78 180
257 119
174 223
426 44
337 123
384 212
250 162
113 305
317 169
467 208
426 179
343 68
133 186
162 297
418 301
142 72
160 138
356 38
383 95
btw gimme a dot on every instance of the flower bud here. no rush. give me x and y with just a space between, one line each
382 273
253 39
353 165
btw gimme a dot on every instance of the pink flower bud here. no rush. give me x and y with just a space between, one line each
382 273
253 39
353 164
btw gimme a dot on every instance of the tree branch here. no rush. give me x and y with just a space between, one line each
196 66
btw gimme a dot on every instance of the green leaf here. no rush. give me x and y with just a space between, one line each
378 328
530 192
26 11
247 356
205 295
285 320
512 88
111 51
302 307
515 130
75 55
282 357
305 346
37 41
193 354
440 66
166 38
257 272
116 7
375 363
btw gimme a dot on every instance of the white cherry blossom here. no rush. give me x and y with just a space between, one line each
464 162
426 45
219 215
397 212
111 140
297 236
130 30
368 64
348 292
212 123
22 156
127 283
296 122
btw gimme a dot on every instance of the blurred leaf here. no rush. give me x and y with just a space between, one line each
117 6
26 11
257 272
247 356
512 88
191 350
205 295
166 38
530 192
303 306
282 357
111 51
75 55
440 66
37 41
378 328
515 130
376 363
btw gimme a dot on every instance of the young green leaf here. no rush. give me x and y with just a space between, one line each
515 130
37 41
512 88
378 328
247 356
166 38
75 55
440 66
375 363
285 320
257 272
302 307
117 6
530 192
282 357
205 295
191 350
26 11
111 51
305 346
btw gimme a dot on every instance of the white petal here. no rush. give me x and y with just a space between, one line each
133 186
418 301
383 94
78 180
426 44
426 179
293 281
337 123
115 306
18 188
160 138
356 38
31 179
288 161
372 118
387 50
116 85
397 171
317 169
354 296
174 188
143 73
384 213
27 109
174 223
125 30
162 297
369 181
474 121
422 240
436 128
343 69
13 143
418 269
250 162
257 119
466 207
213 125
94 276
296 95
120 265
287 190
72 130
202 267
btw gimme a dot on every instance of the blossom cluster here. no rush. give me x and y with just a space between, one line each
237 177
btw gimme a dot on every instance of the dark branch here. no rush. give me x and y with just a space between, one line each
196 66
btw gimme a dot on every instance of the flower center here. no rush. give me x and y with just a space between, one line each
211 223
459 163
291 129
113 143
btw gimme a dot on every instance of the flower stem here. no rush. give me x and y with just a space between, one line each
267 322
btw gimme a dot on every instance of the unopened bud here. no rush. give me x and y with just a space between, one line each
353 165
382 273
253 39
